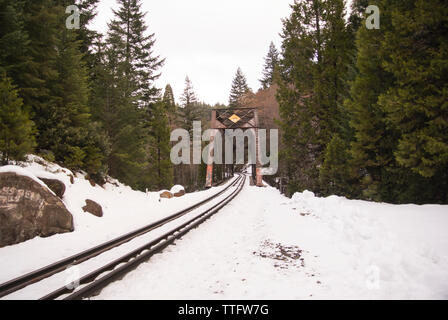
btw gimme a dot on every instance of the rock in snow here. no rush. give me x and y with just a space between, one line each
93 208
178 190
28 209
55 185
166 194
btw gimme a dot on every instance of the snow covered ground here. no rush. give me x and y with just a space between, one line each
261 246
124 210
266 246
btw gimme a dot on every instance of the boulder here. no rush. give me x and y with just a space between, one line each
177 190
57 186
179 193
166 194
28 209
93 208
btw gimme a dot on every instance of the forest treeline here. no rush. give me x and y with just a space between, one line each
89 100
362 112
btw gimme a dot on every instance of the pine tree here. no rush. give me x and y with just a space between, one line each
313 85
337 66
336 62
30 60
377 112
15 58
86 35
128 69
128 36
168 98
356 18
373 143
170 105
417 103
160 166
239 89
51 78
299 105
65 126
16 129
68 110
270 64
189 109
334 174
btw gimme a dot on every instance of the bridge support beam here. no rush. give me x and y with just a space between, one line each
259 176
211 155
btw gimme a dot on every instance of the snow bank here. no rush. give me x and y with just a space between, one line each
397 251
350 250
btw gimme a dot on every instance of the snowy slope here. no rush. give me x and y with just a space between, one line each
124 210
266 246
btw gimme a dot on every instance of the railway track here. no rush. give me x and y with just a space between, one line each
94 281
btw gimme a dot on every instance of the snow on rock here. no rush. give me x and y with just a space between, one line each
22 172
266 246
177 188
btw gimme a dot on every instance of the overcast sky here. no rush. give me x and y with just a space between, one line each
208 39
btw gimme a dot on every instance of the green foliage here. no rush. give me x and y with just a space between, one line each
313 73
16 129
398 105
170 105
128 38
91 100
168 98
373 142
47 155
270 65
358 9
335 170
160 164
189 110
14 42
363 112
128 158
74 157
46 61
86 36
417 104
124 93
239 89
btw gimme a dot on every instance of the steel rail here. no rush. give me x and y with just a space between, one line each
20 282
137 256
